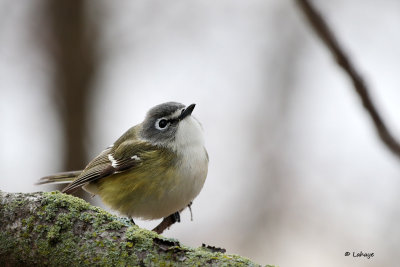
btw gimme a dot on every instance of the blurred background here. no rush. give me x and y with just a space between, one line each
297 174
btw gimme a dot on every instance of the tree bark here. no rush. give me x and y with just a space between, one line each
55 229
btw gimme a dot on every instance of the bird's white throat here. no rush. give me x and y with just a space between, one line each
188 135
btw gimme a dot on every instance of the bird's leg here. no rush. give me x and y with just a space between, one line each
177 217
167 222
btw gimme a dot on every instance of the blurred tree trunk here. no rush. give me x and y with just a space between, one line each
72 50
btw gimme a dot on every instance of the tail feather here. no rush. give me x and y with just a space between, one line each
60 178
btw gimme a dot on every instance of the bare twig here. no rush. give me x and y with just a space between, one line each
167 222
327 36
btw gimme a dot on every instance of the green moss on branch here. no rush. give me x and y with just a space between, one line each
55 229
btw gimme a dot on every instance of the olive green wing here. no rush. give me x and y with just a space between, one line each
121 157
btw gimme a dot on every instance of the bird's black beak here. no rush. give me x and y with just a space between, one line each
186 112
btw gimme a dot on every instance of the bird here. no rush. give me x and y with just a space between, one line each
153 171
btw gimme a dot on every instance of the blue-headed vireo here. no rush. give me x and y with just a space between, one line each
154 170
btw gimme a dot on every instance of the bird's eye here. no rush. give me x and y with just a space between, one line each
161 124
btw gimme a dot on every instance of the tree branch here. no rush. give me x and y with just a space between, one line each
327 36
55 229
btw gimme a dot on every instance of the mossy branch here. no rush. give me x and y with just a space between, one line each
55 229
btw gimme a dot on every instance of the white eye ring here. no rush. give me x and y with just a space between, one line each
162 124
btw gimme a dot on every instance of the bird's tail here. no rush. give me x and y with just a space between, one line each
60 178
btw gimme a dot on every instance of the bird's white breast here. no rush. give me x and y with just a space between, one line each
193 158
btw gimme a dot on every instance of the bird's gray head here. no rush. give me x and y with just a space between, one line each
168 123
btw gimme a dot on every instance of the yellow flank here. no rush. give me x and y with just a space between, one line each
145 189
